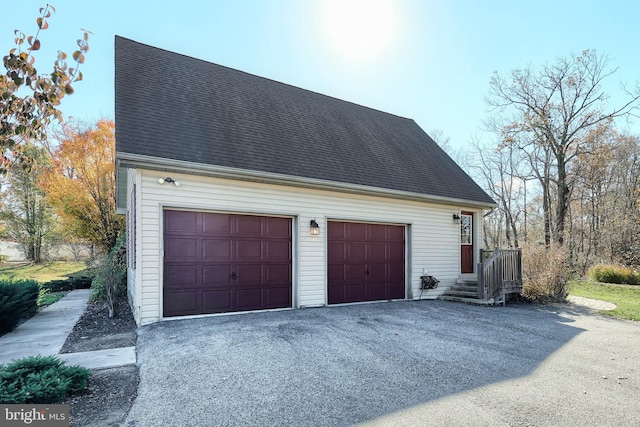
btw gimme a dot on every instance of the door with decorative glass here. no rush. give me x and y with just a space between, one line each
466 242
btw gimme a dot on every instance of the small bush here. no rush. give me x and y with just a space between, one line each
18 299
545 273
4 258
111 278
40 380
608 273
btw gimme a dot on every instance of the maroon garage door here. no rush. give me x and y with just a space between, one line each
215 263
366 262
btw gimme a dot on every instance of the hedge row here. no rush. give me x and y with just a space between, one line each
69 284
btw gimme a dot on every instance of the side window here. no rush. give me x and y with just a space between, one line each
466 229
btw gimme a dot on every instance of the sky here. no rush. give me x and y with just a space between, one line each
428 60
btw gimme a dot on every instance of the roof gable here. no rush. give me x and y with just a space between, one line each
171 106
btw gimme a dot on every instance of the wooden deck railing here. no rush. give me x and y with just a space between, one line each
499 273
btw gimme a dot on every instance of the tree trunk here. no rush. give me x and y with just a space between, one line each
111 288
511 231
546 209
563 198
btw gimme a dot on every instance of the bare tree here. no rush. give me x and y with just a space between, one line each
549 114
501 171
458 155
605 213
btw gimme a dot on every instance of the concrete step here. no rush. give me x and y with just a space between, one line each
102 359
463 289
467 293
464 286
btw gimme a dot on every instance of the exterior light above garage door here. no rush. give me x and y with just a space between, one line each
169 180
314 228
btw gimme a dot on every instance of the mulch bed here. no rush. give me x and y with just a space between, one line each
107 400
96 331
111 392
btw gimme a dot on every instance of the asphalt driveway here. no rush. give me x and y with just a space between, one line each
399 363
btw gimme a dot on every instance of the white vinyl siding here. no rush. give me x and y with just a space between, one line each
432 235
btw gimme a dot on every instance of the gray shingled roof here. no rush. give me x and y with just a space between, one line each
176 107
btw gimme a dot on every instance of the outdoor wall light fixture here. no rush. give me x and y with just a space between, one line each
456 218
169 180
314 228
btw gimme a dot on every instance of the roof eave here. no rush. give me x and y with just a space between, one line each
140 161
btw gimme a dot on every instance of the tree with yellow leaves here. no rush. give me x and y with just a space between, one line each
80 185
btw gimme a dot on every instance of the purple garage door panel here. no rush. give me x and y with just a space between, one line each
217 263
365 262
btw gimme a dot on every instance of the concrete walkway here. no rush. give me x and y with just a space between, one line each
594 304
46 332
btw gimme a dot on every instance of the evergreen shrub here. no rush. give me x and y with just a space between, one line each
18 299
40 379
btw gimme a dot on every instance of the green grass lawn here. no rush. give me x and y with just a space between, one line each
49 298
626 297
44 272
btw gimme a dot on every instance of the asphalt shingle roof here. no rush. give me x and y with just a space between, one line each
177 107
